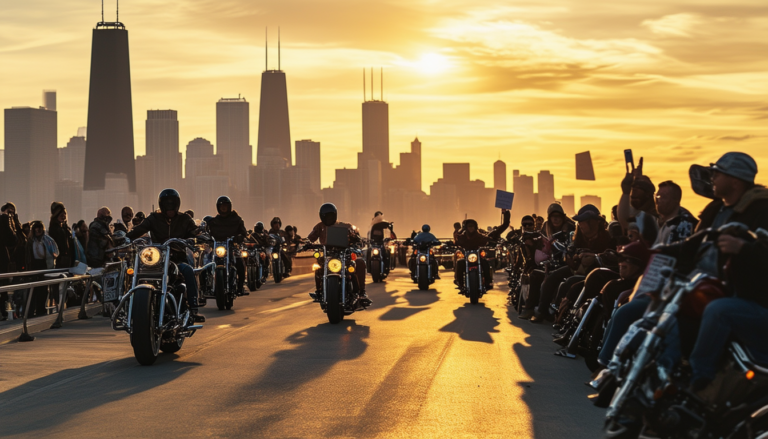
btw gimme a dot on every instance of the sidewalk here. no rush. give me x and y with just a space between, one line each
11 329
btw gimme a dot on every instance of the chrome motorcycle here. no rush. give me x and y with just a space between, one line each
340 290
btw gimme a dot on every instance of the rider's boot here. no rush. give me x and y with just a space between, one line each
364 300
196 317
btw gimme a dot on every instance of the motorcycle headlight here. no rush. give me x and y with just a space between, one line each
150 256
275 255
315 266
422 258
334 265
221 251
375 252
392 248
244 254
472 258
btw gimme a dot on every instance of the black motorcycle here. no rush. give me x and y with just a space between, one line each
473 287
225 283
154 310
379 260
254 258
278 252
340 290
423 255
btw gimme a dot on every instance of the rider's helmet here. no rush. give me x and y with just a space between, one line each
276 220
470 223
223 202
425 228
328 214
378 212
138 218
169 200
259 227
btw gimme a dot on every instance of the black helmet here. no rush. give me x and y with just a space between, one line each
223 200
471 223
169 200
138 218
259 227
378 212
425 228
276 220
207 219
328 214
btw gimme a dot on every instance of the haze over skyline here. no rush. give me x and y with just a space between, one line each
678 82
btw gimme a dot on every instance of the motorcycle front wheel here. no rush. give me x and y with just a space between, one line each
220 291
253 284
334 307
474 287
144 339
276 273
423 280
375 271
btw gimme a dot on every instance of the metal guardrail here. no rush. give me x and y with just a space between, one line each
62 281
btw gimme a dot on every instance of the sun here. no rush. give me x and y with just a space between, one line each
432 63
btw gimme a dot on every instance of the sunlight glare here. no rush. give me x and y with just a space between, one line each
432 63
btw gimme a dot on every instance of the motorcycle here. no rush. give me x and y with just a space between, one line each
339 283
225 281
473 287
646 394
379 262
254 257
423 255
153 311
278 250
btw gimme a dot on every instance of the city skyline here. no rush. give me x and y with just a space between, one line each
712 111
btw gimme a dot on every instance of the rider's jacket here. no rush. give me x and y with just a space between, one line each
476 240
161 228
320 232
226 226
424 238
378 228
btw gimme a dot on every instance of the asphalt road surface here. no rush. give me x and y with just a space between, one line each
415 365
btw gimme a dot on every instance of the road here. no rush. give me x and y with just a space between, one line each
415 364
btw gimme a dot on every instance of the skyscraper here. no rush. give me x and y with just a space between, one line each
232 140
162 137
546 191
308 157
499 175
524 202
49 100
201 162
72 160
109 146
274 126
569 204
594 200
376 130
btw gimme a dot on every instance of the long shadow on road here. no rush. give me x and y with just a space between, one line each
316 350
49 401
556 394
473 323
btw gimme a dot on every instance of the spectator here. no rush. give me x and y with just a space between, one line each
557 221
59 230
10 236
675 222
126 214
81 232
41 254
138 219
99 238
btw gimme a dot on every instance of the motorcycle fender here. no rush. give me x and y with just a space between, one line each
129 296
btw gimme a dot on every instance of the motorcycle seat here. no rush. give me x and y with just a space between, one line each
745 356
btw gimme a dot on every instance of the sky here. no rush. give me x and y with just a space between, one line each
530 82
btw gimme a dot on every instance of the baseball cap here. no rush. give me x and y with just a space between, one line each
587 212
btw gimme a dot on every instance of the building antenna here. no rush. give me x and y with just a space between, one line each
117 17
382 84
364 96
102 11
278 48
372 98
266 48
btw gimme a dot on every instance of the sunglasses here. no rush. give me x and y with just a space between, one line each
528 224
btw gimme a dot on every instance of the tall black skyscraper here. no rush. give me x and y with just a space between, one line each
376 127
274 126
109 146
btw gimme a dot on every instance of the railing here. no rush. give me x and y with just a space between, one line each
62 280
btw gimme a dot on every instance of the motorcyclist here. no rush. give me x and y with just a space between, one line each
275 226
424 237
744 316
377 234
228 224
328 218
167 223
470 238
260 237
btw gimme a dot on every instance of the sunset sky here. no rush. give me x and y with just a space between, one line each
534 82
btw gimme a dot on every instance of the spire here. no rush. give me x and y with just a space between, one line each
382 84
266 48
372 98
278 48
117 16
364 84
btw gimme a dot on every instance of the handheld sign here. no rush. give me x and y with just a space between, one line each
652 279
504 199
